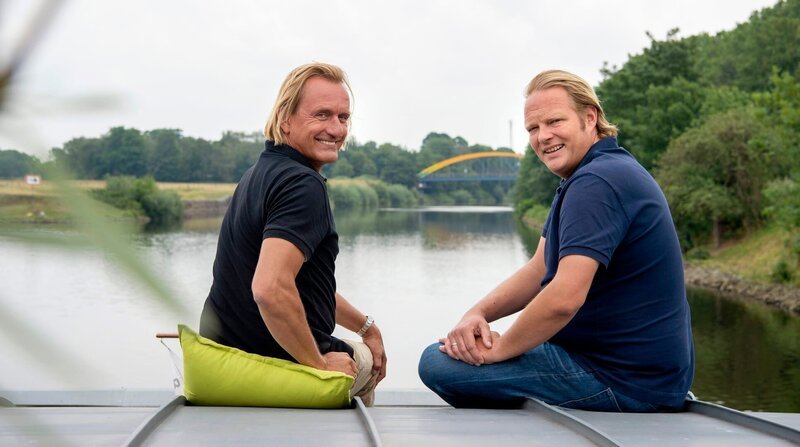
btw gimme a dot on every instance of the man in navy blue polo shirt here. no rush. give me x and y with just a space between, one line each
604 322
274 291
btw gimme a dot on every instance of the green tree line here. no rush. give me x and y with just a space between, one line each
716 120
168 156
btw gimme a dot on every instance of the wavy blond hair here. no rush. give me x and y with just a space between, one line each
291 92
581 93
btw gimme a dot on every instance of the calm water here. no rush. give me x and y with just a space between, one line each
416 271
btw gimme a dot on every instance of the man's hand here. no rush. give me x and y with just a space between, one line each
374 341
342 362
461 343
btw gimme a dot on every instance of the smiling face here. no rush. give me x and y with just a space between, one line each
560 135
318 128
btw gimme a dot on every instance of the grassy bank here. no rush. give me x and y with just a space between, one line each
753 257
20 202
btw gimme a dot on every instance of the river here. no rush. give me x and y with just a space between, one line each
416 271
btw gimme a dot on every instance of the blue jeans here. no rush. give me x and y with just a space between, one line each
547 373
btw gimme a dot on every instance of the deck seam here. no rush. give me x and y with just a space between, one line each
742 419
571 422
152 423
369 423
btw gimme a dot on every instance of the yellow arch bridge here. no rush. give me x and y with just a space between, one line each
495 172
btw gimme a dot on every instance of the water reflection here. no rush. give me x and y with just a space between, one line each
747 354
417 271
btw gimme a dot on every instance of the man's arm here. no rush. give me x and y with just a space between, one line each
549 312
349 317
509 297
278 300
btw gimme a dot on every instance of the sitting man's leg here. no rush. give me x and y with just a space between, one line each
364 386
546 373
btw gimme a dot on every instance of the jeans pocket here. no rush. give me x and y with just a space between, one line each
602 401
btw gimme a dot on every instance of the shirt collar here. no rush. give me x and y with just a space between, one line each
285 149
596 149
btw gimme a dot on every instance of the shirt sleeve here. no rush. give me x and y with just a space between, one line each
593 222
299 213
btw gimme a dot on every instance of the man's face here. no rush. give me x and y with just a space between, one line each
559 135
318 128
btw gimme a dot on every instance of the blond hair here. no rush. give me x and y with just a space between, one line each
581 93
291 91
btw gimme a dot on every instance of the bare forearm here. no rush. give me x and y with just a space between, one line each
511 295
288 325
551 310
537 323
347 315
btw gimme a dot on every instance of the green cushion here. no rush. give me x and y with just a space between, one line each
220 375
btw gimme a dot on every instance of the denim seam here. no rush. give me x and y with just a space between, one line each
527 376
606 391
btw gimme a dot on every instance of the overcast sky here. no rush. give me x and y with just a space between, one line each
416 66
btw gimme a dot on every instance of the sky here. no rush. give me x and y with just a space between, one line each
416 66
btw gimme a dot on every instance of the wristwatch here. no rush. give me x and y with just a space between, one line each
365 328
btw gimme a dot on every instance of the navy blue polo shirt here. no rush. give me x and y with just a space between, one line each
634 330
280 196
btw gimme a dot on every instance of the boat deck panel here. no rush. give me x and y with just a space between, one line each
677 429
198 426
447 426
416 419
79 426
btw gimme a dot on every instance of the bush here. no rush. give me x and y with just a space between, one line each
698 253
400 197
462 197
782 272
537 213
344 197
142 197
782 199
164 208
369 193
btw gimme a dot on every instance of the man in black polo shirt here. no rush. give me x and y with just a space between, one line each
274 290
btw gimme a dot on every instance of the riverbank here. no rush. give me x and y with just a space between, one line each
784 297
721 273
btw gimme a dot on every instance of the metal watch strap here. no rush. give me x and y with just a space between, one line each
366 326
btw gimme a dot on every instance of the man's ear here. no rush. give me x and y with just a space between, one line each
285 127
591 116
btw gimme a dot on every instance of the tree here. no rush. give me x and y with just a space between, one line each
15 164
124 152
361 163
164 163
342 168
396 165
745 56
713 175
535 183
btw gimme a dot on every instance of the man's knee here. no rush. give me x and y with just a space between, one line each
432 366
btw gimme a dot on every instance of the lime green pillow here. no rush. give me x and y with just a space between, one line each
220 375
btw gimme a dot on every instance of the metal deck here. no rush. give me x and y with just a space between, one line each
400 418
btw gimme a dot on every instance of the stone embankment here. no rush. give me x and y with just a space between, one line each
193 209
787 298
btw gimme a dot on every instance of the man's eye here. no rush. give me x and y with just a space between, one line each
322 115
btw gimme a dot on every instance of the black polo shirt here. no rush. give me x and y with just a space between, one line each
280 196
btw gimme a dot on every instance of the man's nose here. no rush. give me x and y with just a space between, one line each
544 134
337 128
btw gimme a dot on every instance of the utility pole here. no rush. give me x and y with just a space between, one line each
511 134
